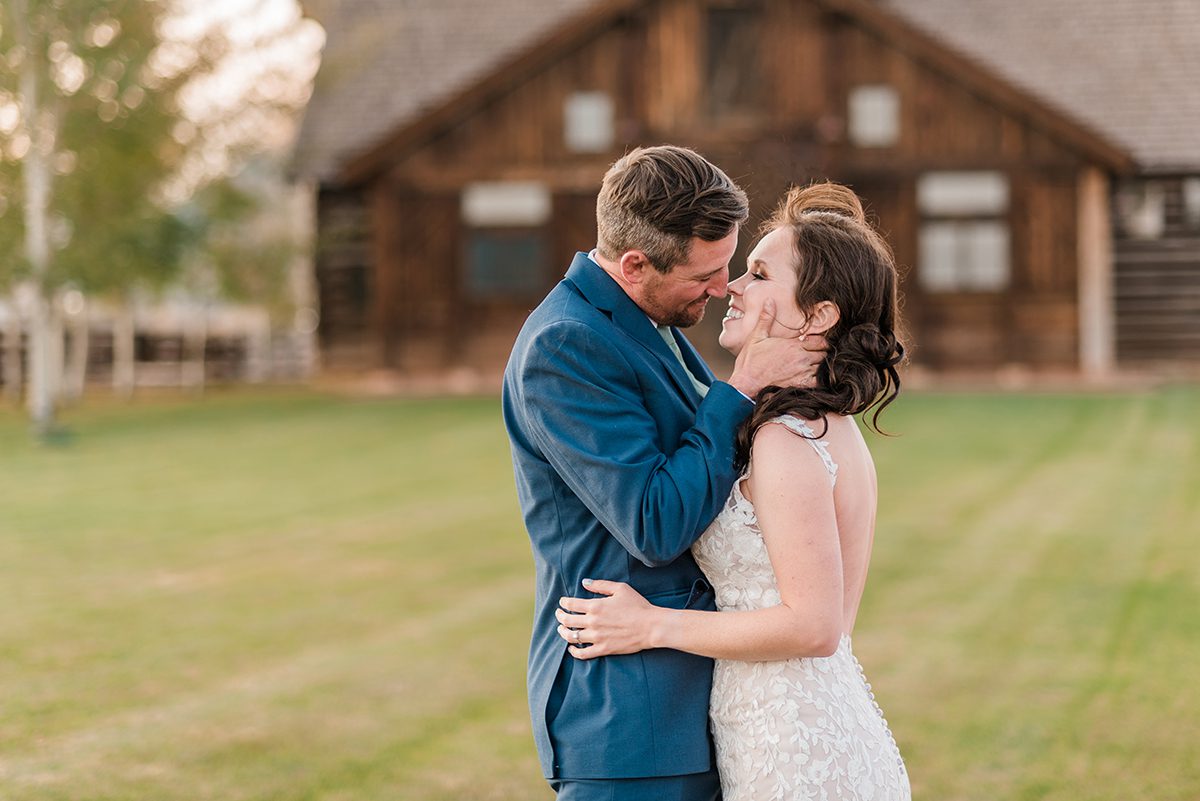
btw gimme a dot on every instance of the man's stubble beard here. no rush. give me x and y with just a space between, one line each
684 317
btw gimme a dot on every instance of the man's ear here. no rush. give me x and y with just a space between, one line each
634 266
825 315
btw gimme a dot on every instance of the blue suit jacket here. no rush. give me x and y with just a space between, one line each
619 467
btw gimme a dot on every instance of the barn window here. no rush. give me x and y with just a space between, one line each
506 204
1142 209
356 287
733 69
588 122
964 243
506 249
1191 201
505 263
874 116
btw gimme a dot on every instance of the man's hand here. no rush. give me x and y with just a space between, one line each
776 361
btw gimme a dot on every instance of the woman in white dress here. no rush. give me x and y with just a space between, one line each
791 712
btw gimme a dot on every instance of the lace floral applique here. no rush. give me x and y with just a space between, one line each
796 729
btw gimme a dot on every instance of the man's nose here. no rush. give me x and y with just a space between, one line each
719 286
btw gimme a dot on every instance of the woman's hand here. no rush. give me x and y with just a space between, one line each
620 623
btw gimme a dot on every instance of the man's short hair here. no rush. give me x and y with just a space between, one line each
656 199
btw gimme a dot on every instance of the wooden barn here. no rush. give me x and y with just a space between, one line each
1034 165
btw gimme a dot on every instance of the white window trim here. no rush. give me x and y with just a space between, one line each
873 115
506 204
965 237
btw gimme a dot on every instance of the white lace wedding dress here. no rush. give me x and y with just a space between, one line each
797 729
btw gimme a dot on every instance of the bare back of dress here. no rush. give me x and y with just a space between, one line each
797 729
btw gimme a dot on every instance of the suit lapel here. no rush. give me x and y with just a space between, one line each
605 294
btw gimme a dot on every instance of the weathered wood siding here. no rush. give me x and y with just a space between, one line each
944 126
345 282
651 62
1157 285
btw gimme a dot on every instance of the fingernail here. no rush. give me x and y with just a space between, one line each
587 582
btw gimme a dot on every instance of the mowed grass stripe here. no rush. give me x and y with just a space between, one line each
266 479
177 632
406 695
998 592
264 587
1139 668
299 597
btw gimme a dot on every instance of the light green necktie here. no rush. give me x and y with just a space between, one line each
664 331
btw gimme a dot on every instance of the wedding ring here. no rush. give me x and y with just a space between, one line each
575 634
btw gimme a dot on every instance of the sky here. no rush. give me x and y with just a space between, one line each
274 56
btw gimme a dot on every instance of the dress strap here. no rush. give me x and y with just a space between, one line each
799 426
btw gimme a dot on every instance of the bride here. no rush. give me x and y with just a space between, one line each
791 712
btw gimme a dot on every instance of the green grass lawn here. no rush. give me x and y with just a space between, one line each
288 596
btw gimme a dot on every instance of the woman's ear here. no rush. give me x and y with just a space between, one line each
824 316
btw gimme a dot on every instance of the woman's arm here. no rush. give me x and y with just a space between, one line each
794 504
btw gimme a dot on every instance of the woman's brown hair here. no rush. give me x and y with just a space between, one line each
839 258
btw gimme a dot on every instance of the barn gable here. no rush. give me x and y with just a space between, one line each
996 198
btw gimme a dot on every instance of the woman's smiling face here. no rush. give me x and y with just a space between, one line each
770 273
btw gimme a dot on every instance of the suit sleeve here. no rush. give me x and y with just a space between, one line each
586 413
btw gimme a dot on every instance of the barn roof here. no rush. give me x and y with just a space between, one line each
1129 69
387 62
1124 69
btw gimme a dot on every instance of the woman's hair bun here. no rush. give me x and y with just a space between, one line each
824 198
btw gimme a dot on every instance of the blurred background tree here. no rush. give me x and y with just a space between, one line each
121 124
244 246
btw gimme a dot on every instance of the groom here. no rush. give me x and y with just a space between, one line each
623 448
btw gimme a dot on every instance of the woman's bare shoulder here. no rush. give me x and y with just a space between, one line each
783 450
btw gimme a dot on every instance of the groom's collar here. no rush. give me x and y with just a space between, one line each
592 258
600 289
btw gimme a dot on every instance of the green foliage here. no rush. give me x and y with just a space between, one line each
294 597
113 81
244 235
112 106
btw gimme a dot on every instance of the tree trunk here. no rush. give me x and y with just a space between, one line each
56 355
36 180
123 349
40 400
75 374
195 344
258 350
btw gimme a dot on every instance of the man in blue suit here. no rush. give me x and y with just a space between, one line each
623 448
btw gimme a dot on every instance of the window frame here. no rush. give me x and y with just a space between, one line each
857 106
968 217
502 292
740 105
